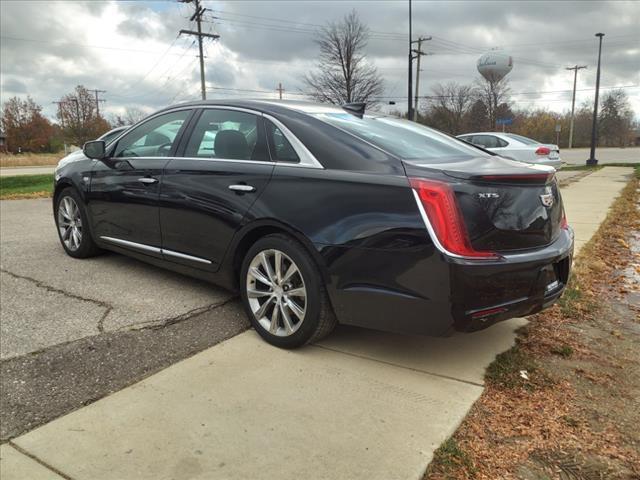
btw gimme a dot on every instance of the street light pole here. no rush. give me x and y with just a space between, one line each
594 127
409 95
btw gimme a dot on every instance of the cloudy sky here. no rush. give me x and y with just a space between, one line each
132 49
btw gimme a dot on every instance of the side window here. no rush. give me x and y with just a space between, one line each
501 142
486 141
281 149
227 134
153 138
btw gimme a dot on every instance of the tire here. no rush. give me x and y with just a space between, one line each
289 330
70 210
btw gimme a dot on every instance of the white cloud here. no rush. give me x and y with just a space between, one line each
49 47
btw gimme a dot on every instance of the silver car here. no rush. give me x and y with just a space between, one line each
516 147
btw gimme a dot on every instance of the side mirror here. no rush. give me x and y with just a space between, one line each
94 149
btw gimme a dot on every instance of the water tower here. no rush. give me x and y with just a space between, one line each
495 65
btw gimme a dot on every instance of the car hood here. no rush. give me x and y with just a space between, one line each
72 157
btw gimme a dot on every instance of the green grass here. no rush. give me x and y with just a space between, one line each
564 351
449 456
26 186
505 370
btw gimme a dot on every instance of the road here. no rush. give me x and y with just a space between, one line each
578 156
14 171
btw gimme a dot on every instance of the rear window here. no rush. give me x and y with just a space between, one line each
520 138
404 139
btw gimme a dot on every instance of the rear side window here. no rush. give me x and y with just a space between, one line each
228 135
280 148
404 139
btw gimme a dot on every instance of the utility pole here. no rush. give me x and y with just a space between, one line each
280 90
409 113
594 127
98 100
419 53
197 16
573 100
60 110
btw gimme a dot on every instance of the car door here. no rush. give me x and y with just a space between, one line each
223 167
125 187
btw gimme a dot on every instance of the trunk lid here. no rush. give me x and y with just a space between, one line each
505 205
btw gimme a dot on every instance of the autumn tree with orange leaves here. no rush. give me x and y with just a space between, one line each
25 127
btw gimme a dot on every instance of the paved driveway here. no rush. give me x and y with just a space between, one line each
49 298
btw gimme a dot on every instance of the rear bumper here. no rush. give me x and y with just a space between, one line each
522 284
555 162
421 290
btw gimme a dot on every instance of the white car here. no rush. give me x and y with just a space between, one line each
516 147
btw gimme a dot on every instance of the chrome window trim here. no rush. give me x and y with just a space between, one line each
307 159
149 248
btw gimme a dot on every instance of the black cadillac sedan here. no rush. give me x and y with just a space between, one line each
319 214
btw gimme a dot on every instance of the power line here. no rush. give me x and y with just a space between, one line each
98 99
62 44
197 16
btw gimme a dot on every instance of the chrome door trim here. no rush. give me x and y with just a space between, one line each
149 248
127 243
184 256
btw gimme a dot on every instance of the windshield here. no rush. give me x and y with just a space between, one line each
404 139
520 138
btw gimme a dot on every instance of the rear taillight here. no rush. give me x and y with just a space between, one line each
443 214
543 151
564 224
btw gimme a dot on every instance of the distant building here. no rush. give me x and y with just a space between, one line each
3 142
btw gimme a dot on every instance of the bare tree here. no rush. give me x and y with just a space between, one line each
343 74
616 119
451 102
492 93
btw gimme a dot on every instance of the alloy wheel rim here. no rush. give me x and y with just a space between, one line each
276 292
70 223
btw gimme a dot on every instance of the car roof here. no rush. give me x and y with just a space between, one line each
264 105
482 133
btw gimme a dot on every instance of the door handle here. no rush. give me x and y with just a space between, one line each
242 188
148 180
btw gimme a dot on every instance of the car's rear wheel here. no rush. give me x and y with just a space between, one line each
283 293
72 223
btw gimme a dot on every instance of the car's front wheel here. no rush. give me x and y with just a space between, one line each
283 293
72 223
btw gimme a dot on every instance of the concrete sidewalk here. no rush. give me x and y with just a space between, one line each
361 404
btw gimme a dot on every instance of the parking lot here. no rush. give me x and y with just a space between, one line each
369 404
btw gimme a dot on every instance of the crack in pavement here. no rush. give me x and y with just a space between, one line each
153 324
158 324
49 288
26 453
